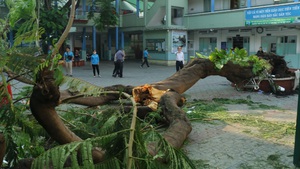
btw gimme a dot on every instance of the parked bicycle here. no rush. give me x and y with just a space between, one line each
254 82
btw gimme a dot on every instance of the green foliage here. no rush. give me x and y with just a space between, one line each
21 10
23 18
28 32
3 31
238 56
109 129
24 136
108 16
76 85
54 21
210 111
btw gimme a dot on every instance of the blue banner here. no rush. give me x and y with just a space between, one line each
273 12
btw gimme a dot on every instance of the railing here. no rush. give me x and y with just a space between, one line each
81 15
226 5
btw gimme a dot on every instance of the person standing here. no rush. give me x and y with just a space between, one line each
68 58
115 65
77 58
119 63
260 52
146 55
179 58
95 63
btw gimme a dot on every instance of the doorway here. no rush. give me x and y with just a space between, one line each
237 42
234 4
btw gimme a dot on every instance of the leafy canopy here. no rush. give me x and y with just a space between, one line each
106 14
238 56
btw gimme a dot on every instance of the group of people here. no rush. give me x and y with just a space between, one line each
69 57
179 58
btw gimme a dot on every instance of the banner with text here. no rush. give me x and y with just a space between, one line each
273 15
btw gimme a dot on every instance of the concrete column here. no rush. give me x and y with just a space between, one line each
109 45
117 28
168 13
83 47
94 37
137 8
71 44
122 40
248 3
83 7
145 11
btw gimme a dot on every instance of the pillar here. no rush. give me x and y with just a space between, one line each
94 38
83 47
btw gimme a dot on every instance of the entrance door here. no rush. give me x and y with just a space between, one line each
238 42
234 4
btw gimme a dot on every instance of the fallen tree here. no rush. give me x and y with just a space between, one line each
165 94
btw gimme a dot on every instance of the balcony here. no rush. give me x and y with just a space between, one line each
81 17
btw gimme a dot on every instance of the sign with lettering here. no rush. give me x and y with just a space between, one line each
273 15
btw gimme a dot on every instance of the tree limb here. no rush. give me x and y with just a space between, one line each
67 30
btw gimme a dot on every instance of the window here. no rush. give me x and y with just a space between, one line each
2 3
281 1
207 45
177 12
207 5
287 45
234 4
281 45
157 45
177 16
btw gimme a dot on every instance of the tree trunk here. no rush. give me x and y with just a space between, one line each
179 125
184 79
2 148
44 99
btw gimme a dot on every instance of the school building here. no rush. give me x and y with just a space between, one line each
196 25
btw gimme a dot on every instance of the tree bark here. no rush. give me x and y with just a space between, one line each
44 99
2 148
184 79
179 125
198 69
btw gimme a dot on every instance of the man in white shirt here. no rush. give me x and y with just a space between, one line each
179 58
